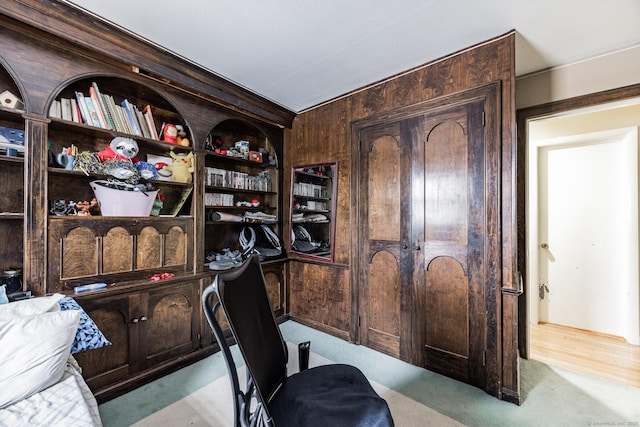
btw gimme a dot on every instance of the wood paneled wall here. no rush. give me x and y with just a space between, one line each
323 134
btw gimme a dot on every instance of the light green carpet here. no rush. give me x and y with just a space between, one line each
211 406
553 396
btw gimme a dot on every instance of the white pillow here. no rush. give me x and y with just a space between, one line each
30 306
33 352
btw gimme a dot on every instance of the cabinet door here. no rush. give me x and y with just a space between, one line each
168 322
429 252
449 234
108 365
385 264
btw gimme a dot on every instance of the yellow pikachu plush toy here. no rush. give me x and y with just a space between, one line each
182 167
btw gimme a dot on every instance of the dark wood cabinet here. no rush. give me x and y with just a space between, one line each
113 364
155 327
168 323
241 184
147 328
117 251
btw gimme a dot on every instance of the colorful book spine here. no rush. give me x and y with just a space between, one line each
146 112
110 105
103 107
108 112
75 112
128 108
65 104
98 108
84 112
122 114
141 122
55 110
92 111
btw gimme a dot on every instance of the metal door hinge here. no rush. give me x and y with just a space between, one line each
484 358
484 119
359 322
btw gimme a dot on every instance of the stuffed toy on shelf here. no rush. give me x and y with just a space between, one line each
119 160
182 167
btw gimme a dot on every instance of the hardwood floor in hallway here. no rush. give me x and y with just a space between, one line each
591 353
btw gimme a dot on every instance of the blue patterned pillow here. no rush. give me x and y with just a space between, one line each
3 295
88 335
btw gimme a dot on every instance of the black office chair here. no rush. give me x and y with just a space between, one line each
330 395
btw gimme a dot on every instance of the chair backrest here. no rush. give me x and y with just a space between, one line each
243 296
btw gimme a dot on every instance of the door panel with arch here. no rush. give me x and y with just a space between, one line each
449 227
428 199
384 315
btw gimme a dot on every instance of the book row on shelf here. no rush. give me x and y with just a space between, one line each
218 199
101 110
309 190
239 180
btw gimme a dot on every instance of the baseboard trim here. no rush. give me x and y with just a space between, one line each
511 396
322 327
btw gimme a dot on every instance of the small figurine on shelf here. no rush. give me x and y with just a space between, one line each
182 139
182 167
84 208
157 205
169 133
213 142
59 207
267 157
120 148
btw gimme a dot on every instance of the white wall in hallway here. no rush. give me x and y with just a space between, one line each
588 216
562 128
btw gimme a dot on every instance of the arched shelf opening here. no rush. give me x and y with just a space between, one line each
117 105
241 186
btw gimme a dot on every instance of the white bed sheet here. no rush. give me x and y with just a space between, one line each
67 403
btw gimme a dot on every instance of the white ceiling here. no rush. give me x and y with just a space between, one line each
299 53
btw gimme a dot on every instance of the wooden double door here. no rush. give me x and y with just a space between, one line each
428 251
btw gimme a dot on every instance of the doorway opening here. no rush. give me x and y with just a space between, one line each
582 258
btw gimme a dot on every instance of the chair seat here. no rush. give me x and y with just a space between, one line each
329 395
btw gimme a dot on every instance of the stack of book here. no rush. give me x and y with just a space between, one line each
309 190
238 180
101 110
218 199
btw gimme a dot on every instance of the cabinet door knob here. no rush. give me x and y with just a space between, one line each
134 320
143 319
